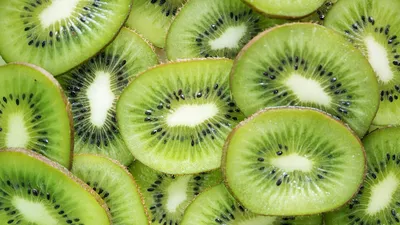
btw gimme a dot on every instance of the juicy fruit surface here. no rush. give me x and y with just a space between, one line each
320 15
53 33
34 113
289 161
290 65
175 117
41 192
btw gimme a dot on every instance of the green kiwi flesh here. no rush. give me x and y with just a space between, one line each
217 206
35 190
34 113
295 64
378 201
93 89
167 196
2 61
175 117
58 35
209 28
320 15
372 27
293 161
115 185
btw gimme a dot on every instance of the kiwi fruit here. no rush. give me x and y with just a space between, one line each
167 196
58 34
293 161
320 15
93 89
34 113
378 201
218 206
35 190
209 28
115 185
296 65
371 26
152 18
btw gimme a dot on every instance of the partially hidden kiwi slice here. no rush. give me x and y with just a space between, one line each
115 185
35 190
167 196
58 34
152 18
304 64
94 87
34 113
175 117
320 15
217 206
209 28
372 27
378 201
293 161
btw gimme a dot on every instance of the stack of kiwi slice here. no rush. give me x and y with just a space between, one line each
199 112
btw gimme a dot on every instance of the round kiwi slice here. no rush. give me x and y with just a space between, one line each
93 89
58 34
35 190
378 201
209 28
167 196
305 64
121 195
293 161
372 27
175 117
217 206
34 113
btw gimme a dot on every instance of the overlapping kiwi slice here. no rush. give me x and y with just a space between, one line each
209 28
295 64
35 190
320 14
378 201
34 113
175 117
93 89
58 34
167 196
293 161
372 27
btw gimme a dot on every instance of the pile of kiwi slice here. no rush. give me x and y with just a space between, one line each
199 112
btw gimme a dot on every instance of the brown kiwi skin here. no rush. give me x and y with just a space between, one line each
244 122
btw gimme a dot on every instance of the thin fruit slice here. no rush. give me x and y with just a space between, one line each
167 196
115 185
176 117
34 113
209 28
378 201
217 206
35 190
293 161
58 34
290 65
93 89
372 26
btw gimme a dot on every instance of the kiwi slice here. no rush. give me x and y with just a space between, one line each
378 201
293 161
34 113
35 190
152 18
121 195
218 206
371 27
320 15
93 89
209 28
167 196
58 34
290 65
175 117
